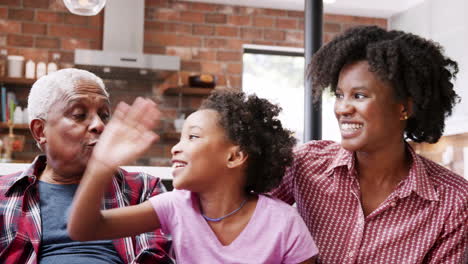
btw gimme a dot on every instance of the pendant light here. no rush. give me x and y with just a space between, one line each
84 7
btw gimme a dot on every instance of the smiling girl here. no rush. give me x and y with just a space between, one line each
231 151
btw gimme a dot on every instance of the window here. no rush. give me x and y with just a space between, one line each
277 74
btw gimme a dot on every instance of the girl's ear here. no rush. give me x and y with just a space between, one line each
236 158
37 131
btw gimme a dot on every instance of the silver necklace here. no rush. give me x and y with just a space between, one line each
222 217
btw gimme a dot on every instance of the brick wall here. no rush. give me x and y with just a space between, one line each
38 28
207 37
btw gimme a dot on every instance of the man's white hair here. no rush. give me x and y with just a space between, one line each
49 88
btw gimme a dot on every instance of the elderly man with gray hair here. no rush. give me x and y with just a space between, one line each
68 111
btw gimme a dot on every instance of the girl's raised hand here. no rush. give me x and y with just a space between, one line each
128 134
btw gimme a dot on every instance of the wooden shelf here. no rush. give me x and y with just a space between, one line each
24 81
15 126
185 90
170 135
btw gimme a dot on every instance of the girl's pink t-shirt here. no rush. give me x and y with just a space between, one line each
275 233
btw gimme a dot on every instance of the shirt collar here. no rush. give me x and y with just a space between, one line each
28 176
342 158
32 173
418 180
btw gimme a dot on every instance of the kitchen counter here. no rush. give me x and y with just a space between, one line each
163 173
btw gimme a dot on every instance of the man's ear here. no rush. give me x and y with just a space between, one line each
236 158
37 130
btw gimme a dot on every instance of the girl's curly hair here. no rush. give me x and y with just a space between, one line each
415 67
251 123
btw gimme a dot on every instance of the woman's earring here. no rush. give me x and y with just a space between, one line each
405 117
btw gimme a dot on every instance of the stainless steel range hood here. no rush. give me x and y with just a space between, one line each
123 42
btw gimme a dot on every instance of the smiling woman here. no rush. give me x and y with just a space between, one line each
365 117
372 198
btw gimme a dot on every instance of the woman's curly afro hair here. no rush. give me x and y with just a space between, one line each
415 67
251 123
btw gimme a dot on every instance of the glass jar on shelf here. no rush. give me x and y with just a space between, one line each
52 66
